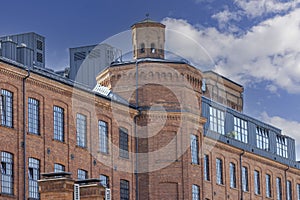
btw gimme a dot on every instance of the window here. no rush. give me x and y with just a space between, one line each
152 48
281 146
6 108
268 186
262 138
39 57
289 190
256 182
103 137
206 167
194 149
39 45
217 120
34 176
245 179
298 191
278 188
232 175
241 129
81 130
219 169
7 181
58 123
124 190
82 174
142 50
59 167
104 180
195 192
33 116
123 142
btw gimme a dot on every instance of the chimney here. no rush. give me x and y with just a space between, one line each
9 49
25 55
56 185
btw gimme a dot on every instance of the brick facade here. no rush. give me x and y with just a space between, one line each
167 109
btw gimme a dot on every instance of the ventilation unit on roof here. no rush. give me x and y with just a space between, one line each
101 90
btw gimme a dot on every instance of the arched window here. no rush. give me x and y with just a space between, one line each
152 48
142 49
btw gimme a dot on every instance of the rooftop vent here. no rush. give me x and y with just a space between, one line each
101 90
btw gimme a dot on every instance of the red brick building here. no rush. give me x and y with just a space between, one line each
154 129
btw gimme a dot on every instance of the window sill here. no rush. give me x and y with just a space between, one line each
11 196
5 126
222 185
123 158
104 153
77 146
63 142
35 134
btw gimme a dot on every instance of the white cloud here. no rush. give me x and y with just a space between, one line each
290 128
269 51
255 8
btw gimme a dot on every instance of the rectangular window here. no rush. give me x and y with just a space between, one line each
123 142
206 167
278 188
245 179
298 191
81 130
58 123
104 180
268 186
262 138
7 180
281 146
289 190
33 177
194 149
82 174
33 116
195 192
103 137
59 167
217 120
6 108
232 175
256 182
219 171
241 129
124 190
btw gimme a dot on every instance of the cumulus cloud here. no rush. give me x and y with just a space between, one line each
269 51
290 128
255 8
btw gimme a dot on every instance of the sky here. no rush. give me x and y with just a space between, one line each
253 42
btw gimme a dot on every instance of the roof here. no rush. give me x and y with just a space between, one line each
48 73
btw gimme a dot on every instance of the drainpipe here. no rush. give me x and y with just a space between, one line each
135 131
286 192
24 131
241 174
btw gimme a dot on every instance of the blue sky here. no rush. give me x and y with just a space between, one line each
253 42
